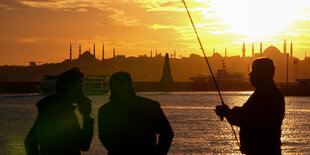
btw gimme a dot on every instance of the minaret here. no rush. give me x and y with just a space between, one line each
155 53
284 46
253 55
94 51
261 48
166 77
243 50
151 54
102 52
225 52
70 52
114 52
175 53
89 50
80 50
291 50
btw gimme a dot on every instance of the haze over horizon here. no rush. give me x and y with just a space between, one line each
41 30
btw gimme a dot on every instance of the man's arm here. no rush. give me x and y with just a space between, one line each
236 116
164 130
87 133
31 141
88 123
255 111
104 129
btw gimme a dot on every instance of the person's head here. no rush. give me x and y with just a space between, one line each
121 84
69 84
262 70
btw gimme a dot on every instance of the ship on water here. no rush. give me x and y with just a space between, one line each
93 84
224 78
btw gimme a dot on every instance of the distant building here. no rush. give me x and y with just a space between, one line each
243 50
87 57
32 64
94 50
272 51
70 52
291 50
253 54
102 52
166 76
80 50
261 48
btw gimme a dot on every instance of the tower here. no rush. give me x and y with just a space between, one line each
284 46
151 54
225 52
261 48
243 50
102 52
114 52
253 55
291 50
70 52
174 54
166 77
80 50
94 50
155 53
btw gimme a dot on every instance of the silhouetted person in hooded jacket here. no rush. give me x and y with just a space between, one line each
260 118
56 129
129 124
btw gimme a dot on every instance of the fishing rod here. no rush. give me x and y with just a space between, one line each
210 69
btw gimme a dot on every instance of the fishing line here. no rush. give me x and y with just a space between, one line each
205 56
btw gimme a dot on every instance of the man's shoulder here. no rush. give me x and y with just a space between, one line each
146 100
46 102
148 106
143 101
271 90
105 106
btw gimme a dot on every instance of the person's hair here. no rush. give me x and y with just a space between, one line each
120 79
265 66
69 78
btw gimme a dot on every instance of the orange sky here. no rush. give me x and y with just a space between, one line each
41 30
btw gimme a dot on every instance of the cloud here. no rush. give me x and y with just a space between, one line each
120 16
117 12
63 4
27 39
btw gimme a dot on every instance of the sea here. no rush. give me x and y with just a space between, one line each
191 114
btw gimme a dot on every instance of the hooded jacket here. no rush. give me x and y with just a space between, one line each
57 130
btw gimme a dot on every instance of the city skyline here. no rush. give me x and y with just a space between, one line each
40 30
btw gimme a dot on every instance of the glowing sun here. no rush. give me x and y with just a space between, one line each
257 17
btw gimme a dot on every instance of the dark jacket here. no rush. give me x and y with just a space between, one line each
132 127
260 120
57 130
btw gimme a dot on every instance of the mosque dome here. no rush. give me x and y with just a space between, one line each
87 55
271 50
217 55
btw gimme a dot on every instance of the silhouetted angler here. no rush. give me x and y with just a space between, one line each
56 129
129 124
260 118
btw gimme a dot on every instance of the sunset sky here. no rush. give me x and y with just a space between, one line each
41 30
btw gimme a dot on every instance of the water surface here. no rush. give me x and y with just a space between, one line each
197 129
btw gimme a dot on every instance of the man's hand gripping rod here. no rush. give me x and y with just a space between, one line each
205 56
